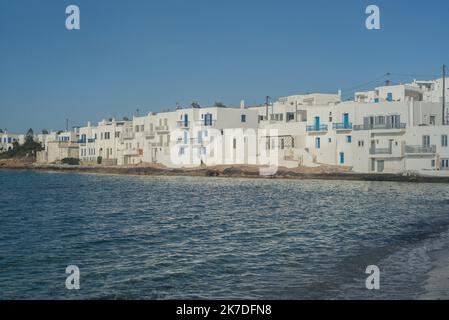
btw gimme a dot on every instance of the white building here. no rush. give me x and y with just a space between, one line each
391 129
7 140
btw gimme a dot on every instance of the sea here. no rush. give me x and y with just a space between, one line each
150 237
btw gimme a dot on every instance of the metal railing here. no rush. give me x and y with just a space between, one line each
205 123
161 128
384 126
342 126
183 124
314 128
421 149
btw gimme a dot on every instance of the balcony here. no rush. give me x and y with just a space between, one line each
128 135
162 128
149 135
421 149
342 126
380 151
156 144
315 128
183 124
205 123
384 126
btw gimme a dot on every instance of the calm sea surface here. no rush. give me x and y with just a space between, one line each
181 237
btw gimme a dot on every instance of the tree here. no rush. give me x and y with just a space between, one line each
44 131
30 135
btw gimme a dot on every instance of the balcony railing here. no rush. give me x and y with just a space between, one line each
380 151
149 134
156 144
183 124
205 123
384 126
421 149
342 126
128 135
84 141
314 128
161 128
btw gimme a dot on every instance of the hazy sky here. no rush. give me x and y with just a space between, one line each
152 54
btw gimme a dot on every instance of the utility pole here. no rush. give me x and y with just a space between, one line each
267 101
67 124
444 95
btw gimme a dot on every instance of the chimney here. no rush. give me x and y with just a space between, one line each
242 104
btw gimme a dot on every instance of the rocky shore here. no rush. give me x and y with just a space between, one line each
226 171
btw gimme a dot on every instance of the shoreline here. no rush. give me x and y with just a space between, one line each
226 171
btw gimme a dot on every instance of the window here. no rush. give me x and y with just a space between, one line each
389 96
349 139
342 157
317 143
243 118
426 141
444 140
329 140
444 164
234 143
117 134
432 163
361 143
432 120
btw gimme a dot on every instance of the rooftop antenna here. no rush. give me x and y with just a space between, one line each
444 121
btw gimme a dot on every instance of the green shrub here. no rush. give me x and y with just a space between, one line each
71 161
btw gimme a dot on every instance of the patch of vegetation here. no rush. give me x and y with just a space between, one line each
29 148
71 161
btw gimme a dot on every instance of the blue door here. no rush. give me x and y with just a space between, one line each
317 123
346 120
342 157
186 120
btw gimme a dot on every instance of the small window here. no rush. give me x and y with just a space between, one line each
349 139
361 143
432 163
243 118
329 139
317 143
444 140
